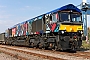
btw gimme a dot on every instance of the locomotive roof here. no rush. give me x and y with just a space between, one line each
66 7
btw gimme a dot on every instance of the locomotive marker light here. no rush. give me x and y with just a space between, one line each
62 32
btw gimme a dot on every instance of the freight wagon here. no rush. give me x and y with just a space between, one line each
60 29
2 38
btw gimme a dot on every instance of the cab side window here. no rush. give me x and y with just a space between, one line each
55 17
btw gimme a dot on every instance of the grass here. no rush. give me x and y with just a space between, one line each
85 45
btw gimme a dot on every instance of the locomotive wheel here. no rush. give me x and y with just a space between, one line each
32 44
43 48
52 45
73 47
40 45
5 43
55 48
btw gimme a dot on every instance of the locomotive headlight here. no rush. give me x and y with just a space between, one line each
81 32
62 32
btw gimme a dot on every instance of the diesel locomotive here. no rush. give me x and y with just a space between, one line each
59 29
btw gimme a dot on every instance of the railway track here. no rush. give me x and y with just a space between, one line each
24 54
46 54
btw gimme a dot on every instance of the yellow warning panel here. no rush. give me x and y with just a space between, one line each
70 28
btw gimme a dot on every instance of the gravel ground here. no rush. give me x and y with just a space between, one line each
31 57
43 53
28 56
87 51
6 57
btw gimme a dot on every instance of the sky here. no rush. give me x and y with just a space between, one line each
13 12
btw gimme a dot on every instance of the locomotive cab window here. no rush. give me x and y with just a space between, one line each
71 17
75 17
64 16
55 17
